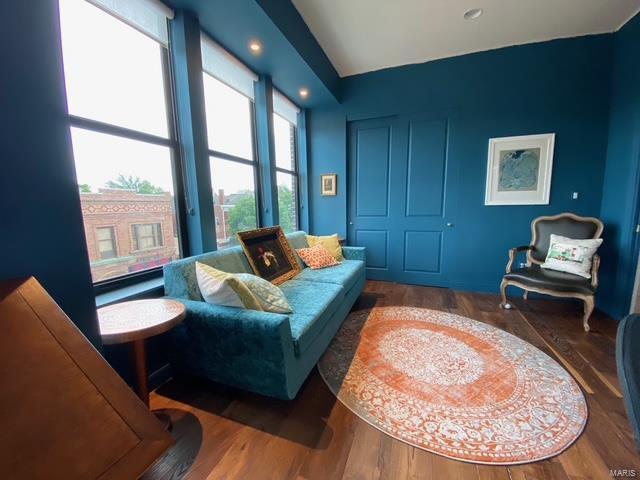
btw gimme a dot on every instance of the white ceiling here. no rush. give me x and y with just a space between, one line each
365 35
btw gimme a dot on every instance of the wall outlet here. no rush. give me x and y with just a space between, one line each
575 195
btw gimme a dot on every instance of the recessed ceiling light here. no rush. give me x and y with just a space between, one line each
472 14
304 92
255 46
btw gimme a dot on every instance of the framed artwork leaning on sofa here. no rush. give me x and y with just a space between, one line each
269 254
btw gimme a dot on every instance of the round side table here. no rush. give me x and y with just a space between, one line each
134 322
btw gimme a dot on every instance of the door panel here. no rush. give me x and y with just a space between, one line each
425 174
372 171
397 171
369 192
422 252
377 246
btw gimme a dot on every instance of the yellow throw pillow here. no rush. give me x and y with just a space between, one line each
330 242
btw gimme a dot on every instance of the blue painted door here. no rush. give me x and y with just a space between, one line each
398 203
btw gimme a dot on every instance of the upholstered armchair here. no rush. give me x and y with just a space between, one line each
532 278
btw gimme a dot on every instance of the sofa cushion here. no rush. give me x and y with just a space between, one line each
345 274
312 305
537 277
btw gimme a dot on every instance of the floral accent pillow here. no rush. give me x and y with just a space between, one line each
317 257
570 255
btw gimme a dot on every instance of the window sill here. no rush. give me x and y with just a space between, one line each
145 289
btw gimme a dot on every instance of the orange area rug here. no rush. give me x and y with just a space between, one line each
453 386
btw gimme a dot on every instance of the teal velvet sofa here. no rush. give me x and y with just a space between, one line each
268 353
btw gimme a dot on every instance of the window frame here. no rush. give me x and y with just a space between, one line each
114 240
295 173
172 142
213 154
158 239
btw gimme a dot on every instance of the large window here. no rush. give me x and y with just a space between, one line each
123 137
229 106
284 137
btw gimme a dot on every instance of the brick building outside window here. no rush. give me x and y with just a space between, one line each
128 232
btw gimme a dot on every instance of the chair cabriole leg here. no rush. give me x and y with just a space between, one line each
589 305
503 291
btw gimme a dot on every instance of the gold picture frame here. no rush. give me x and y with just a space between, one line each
329 184
269 254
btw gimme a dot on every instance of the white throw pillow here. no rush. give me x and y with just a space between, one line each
222 288
571 255
240 290
270 296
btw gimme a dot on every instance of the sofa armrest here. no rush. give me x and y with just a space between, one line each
354 253
246 348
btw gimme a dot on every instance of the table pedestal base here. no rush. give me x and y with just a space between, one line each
142 388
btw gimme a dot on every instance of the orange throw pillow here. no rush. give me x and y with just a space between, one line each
317 257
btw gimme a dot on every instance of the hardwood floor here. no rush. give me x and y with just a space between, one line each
230 434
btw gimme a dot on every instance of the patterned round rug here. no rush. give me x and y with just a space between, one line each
453 386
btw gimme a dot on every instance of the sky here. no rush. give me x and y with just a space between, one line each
113 74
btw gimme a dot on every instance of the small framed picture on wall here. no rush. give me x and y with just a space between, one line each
329 184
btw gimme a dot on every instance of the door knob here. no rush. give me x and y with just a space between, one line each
449 224
350 223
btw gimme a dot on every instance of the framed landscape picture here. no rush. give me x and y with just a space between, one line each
269 254
519 170
329 184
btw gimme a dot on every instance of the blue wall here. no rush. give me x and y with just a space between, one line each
327 144
560 86
621 181
41 225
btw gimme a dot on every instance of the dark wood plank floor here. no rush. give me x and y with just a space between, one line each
229 434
